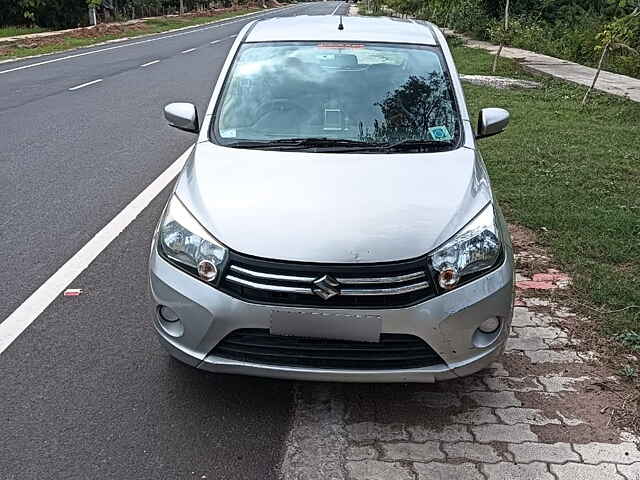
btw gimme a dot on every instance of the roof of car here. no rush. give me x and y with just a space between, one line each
356 29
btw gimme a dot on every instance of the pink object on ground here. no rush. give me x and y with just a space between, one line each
72 292
532 284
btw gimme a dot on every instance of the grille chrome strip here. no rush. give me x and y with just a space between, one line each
271 288
343 281
270 276
375 280
345 291
384 291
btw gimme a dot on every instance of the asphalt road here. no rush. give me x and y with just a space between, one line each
86 391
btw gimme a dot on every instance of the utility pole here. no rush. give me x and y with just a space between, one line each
93 20
181 7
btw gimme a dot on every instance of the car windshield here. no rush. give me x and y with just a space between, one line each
337 95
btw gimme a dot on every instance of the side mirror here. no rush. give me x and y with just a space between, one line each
183 116
491 121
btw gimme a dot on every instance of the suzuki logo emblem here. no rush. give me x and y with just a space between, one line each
326 287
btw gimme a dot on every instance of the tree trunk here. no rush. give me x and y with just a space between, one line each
495 60
506 29
595 78
506 16
181 7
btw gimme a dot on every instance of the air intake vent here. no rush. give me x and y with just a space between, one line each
394 351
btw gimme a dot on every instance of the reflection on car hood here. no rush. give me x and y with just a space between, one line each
333 208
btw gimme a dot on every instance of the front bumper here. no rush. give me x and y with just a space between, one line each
448 323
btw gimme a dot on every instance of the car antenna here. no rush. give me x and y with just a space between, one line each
341 26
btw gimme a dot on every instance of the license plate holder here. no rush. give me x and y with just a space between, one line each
334 326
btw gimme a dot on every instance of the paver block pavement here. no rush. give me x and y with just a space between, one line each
530 416
504 433
631 472
448 433
476 416
471 451
412 452
513 471
624 453
513 384
377 470
543 452
361 453
553 356
580 471
442 471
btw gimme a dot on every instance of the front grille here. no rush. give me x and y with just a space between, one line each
394 351
382 285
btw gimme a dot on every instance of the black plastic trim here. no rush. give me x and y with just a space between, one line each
393 351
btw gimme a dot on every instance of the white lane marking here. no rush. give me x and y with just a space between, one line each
188 50
337 8
85 85
38 301
223 39
194 30
153 62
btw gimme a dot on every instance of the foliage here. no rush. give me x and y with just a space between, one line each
630 339
72 13
562 28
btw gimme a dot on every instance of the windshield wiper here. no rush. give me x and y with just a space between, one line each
336 145
405 145
402 146
296 143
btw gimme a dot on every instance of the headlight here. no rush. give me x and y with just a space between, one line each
183 240
473 249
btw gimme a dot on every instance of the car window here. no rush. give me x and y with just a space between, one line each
375 93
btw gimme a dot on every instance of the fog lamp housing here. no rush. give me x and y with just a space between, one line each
490 325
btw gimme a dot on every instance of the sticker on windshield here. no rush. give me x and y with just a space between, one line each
440 133
228 133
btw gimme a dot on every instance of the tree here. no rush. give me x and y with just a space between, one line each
503 34
617 36
29 9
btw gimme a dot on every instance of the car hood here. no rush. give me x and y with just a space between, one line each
332 208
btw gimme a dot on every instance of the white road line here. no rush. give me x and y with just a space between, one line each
194 30
153 62
38 301
223 39
337 8
188 50
85 85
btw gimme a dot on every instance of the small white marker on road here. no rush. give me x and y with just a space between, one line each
150 63
85 85
188 50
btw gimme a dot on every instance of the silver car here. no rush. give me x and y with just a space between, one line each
334 220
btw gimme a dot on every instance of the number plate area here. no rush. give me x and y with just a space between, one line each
334 326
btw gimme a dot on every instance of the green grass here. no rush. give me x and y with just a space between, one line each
156 25
13 31
576 172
